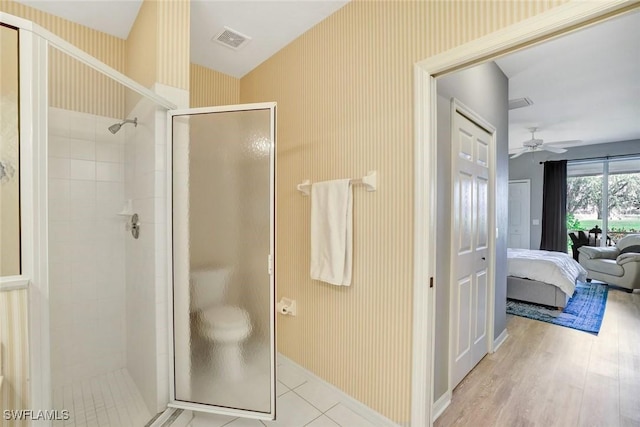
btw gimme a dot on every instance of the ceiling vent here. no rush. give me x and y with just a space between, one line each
232 38
519 103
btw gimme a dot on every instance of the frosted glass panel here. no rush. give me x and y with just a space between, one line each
9 158
221 243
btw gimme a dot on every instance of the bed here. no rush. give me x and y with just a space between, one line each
542 277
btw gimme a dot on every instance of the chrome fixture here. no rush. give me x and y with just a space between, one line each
134 226
115 128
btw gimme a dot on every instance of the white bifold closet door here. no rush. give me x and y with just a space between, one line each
471 148
222 217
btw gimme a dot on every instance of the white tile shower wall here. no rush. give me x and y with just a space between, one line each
145 289
86 246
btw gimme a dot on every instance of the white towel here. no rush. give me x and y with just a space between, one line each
331 230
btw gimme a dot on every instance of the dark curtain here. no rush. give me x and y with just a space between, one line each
554 207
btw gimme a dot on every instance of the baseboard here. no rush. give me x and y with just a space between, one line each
372 416
441 404
500 340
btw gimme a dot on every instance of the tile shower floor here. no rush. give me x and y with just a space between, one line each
110 400
300 402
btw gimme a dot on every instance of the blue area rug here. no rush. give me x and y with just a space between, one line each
584 311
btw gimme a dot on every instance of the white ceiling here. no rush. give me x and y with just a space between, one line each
271 25
111 17
584 86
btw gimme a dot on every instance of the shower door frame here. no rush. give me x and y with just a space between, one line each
270 263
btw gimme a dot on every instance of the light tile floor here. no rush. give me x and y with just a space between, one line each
300 402
110 400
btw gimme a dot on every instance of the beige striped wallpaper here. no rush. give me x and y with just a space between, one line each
345 106
157 52
106 48
157 49
76 86
141 51
209 87
14 353
174 41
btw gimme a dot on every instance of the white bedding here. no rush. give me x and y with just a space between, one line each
556 268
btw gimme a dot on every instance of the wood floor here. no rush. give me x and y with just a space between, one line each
548 375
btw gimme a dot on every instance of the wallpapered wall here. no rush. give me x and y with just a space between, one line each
210 87
14 349
345 106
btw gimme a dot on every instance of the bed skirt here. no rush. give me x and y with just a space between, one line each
536 292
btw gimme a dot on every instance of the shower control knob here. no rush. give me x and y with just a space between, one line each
134 226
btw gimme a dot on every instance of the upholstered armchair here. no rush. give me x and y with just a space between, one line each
617 265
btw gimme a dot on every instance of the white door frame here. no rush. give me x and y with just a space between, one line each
459 107
556 22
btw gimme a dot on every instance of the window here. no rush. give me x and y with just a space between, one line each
603 198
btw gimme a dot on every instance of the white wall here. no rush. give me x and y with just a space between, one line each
484 89
86 246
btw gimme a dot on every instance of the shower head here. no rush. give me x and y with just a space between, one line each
115 128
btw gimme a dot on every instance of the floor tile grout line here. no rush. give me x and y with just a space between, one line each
310 403
310 422
288 391
332 407
298 386
230 421
328 416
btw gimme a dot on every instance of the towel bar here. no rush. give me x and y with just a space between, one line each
370 181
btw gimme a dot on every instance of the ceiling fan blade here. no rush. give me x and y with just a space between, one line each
565 144
553 149
518 154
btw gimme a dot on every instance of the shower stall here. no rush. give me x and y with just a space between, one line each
106 275
146 242
91 155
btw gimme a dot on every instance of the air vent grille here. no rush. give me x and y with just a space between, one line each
519 103
232 38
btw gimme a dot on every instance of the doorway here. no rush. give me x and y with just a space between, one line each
543 27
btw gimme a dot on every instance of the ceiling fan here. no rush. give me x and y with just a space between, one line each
536 144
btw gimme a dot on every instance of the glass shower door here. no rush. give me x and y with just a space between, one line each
222 191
